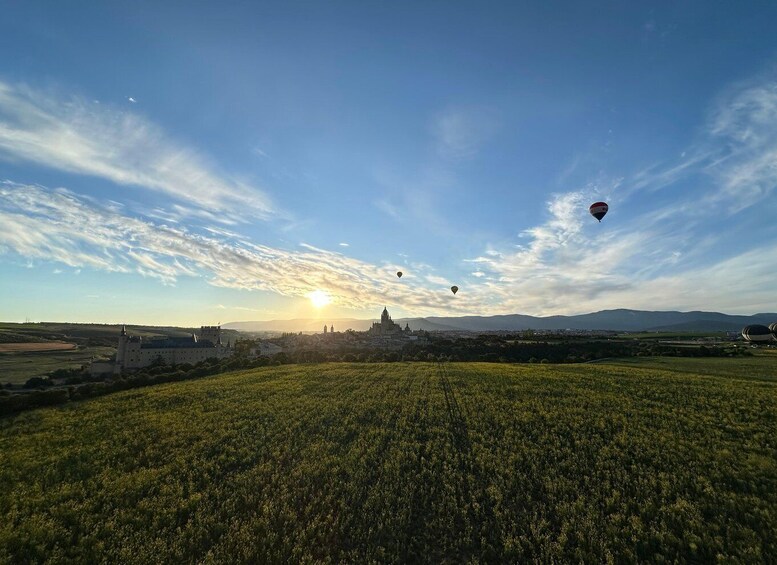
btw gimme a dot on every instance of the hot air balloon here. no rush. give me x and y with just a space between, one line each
598 210
757 333
454 289
399 274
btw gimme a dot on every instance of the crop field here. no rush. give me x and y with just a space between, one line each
16 367
404 462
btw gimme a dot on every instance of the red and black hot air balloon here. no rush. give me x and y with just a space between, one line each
598 210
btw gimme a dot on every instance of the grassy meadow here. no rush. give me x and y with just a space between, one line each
674 460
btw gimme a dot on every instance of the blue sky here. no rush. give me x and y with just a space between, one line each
185 163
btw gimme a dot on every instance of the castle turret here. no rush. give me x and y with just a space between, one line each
121 351
211 334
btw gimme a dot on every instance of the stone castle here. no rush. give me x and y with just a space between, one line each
135 353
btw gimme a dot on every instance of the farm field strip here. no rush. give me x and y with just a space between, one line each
34 347
401 462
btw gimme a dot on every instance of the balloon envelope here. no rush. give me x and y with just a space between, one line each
598 210
454 289
399 274
757 333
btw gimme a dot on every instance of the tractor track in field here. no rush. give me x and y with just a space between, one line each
458 424
473 487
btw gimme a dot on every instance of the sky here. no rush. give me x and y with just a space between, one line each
201 162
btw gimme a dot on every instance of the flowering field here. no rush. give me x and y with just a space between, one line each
402 462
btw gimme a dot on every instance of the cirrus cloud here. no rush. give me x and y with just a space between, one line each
75 136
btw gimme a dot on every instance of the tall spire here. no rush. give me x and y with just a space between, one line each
123 329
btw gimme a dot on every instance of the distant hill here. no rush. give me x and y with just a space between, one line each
619 320
47 331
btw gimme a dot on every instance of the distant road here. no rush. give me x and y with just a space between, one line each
35 347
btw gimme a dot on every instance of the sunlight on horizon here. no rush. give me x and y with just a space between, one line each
319 298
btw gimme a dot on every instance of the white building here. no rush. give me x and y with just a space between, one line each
135 353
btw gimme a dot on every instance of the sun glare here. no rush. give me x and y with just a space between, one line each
319 298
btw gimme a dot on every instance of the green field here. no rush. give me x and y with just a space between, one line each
16 368
403 462
760 367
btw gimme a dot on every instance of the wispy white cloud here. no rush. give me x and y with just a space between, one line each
388 208
734 157
744 125
58 225
72 135
460 132
343 244
567 266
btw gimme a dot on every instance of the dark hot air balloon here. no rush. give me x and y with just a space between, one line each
399 274
598 210
757 333
454 289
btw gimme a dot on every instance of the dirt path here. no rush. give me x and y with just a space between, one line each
36 347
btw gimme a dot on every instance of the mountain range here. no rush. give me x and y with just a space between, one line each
620 319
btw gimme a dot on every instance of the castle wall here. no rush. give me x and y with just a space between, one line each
138 357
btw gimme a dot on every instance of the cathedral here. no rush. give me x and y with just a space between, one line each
387 327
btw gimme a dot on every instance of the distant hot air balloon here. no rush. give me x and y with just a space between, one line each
598 210
399 274
757 333
454 289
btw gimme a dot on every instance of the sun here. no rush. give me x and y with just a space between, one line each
319 298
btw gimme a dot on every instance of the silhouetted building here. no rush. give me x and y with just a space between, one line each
387 327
